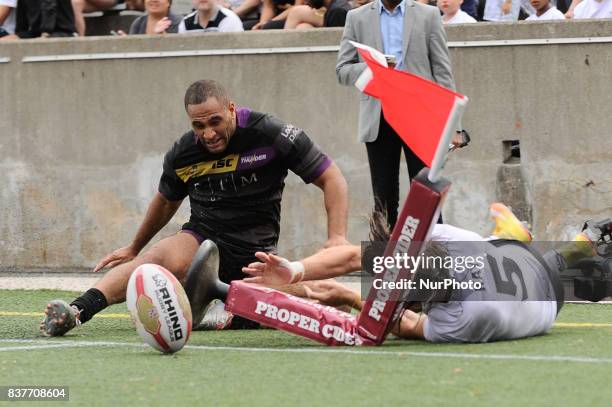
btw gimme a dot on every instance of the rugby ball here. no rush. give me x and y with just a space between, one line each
159 308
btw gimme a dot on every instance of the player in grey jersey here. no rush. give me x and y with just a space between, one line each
519 292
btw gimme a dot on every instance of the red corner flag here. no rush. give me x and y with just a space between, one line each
424 114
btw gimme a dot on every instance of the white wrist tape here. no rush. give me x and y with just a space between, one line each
295 268
297 271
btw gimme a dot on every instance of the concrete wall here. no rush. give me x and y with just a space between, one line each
82 141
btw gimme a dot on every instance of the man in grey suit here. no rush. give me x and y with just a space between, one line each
412 33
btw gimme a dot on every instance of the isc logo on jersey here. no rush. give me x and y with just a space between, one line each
220 166
159 308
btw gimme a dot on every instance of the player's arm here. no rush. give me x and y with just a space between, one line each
410 326
328 263
335 192
332 293
159 213
299 153
172 190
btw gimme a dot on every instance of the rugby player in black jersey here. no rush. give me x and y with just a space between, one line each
232 166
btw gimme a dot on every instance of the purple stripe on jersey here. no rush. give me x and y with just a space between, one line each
242 115
255 158
320 170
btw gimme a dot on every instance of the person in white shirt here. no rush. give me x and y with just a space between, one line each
501 10
452 14
527 8
544 11
210 17
593 9
7 17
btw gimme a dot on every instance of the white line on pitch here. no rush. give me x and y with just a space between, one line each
418 354
34 347
543 358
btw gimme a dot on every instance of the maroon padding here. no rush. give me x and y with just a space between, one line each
420 212
296 315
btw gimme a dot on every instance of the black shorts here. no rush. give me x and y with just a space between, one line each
231 260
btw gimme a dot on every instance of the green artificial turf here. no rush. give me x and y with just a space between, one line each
288 370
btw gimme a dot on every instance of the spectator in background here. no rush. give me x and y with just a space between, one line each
208 17
89 6
247 10
470 7
137 5
452 13
274 13
570 10
44 18
593 9
526 9
544 11
502 10
318 13
158 19
7 19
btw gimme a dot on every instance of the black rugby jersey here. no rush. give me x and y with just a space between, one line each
235 195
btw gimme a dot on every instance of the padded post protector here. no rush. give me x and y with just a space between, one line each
416 220
292 314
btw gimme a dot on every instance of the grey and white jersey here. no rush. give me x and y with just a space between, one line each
517 298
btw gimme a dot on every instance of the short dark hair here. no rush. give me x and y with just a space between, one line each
199 92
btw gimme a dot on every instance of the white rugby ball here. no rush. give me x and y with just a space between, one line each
159 308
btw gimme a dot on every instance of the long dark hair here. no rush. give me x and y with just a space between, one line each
379 237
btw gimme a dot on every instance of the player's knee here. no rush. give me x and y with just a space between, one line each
151 256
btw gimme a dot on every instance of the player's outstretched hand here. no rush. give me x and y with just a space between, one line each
332 293
115 258
273 270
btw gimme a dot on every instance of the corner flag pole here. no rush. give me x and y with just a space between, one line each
449 130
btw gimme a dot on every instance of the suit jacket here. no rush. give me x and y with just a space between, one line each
425 53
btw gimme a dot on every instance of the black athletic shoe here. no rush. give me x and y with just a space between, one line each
202 284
